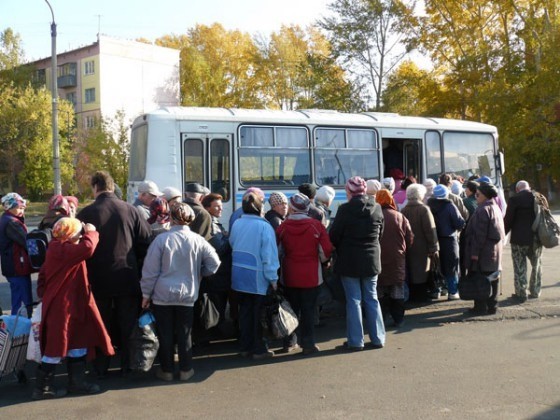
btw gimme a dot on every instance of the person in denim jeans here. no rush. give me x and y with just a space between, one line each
355 233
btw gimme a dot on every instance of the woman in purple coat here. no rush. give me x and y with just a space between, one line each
484 244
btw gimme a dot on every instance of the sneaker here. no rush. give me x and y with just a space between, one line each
453 296
186 375
433 295
262 356
290 349
164 376
443 292
346 347
311 350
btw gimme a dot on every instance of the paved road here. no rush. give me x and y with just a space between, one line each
441 365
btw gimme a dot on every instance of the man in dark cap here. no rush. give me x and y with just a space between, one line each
202 223
310 190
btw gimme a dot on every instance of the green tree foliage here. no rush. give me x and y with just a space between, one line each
11 60
366 36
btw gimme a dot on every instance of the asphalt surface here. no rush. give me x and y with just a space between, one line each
441 364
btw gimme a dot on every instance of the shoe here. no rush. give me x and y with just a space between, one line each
533 296
374 346
520 299
453 296
475 312
346 347
44 388
443 292
164 376
244 354
398 324
290 349
185 376
262 356
310 350
433 295
492 311
77 383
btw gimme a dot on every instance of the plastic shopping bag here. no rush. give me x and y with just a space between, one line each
34 346
144 343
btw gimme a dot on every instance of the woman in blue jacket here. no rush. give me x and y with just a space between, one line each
254 269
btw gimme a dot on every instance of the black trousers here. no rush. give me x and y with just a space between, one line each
119 314
490 304
174 322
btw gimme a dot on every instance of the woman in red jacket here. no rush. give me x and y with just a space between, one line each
304 244
70 322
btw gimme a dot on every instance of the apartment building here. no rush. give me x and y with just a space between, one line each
111 75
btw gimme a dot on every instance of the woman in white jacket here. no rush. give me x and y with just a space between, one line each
176 262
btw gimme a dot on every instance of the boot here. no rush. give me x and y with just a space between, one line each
397 311
44 387
77 383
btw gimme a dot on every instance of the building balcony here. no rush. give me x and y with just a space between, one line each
68 80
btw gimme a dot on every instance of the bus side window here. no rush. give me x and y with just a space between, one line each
220 168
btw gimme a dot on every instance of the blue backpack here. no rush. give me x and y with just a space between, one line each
37 242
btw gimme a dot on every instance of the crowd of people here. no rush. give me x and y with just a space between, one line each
111 259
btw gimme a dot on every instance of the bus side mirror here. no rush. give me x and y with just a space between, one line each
502 162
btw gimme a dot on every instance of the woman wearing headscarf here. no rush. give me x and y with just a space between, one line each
254 270
425 243
278 209
355 233
174 265
159 219
400 195
448 224
484 244
58 208
71 325
15 263
395 243
305 245
323 200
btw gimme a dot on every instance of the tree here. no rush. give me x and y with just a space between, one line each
11 60
366 37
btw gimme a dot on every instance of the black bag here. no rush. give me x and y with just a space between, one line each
475 286
37 242
143 343
209 315
436 279
278 318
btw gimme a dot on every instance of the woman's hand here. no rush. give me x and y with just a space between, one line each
88 227
145 303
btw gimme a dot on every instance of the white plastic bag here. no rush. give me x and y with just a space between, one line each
34 347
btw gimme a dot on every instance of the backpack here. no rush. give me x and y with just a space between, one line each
545 227
37 242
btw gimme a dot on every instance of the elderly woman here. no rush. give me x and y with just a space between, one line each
58 207
355 233
278 209
159 216
305 244
254 270
484 244
174 265
448 223
372 186
71 325
395 243
425 243
13 252
430 184
323 200
400 195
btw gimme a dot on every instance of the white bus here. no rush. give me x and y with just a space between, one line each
229 150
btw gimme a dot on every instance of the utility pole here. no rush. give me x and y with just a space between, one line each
54 94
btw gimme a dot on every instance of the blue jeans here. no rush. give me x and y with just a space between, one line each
20 288
361 293
452 284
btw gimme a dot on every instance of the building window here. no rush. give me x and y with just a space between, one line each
71 97
89 67
90 95
89 122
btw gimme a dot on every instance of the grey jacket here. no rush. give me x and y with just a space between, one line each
176 262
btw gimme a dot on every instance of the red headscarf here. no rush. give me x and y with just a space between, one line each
385 199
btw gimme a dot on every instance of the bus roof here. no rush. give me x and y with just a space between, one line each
313 116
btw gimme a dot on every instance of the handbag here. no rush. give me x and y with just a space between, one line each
278 319
436 279
209 315
475 286
545 227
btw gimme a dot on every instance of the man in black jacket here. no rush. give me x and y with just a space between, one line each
113 269
519 218
202 223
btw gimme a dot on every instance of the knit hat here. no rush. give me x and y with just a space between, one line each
149 187
308 189
396 173
456 187
66 228
484 179
489 190
440 192
171 192
373 185
255 190
159 211
181 213
60 203
429 183
299 203
325 194
277 198
356 186
12 201
388 183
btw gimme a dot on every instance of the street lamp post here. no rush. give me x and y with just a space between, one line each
54 94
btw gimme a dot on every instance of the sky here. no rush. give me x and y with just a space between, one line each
79 21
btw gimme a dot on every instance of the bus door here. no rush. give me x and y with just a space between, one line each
402 152
207 161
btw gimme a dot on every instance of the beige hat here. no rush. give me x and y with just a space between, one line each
149 187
